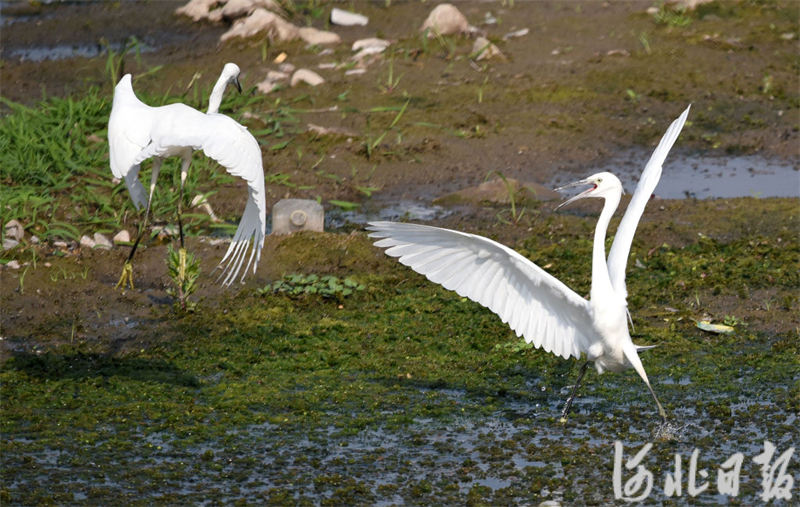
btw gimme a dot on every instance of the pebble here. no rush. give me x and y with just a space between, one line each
346 18
14 230
235 9
12 264
306 76
445 19
101 241
262 20
318 37
86 242
486 50
9 243
518 33
122 236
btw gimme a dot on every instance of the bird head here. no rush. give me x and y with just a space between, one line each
231 71
602 185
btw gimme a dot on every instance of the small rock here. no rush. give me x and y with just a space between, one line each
12 264
345 18
48 265
372 50
317 129
262 21
318 37
618 52
689 5
9 243
196 9
235 9
485 50
445 19
35 239
101 241
286 67
14 230
518 33
354 72
306 76
266 86
122 236
276 76
372 42
273 79
60 243
290 215
86 242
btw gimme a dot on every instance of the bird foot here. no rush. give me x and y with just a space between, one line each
666 431
126 277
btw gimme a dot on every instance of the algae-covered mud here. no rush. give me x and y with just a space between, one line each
334 375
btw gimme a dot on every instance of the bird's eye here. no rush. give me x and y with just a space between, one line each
599 180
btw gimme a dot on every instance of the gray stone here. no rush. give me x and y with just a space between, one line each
14 230
87 242
290 215
101 241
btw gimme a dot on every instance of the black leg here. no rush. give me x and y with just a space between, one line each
574 392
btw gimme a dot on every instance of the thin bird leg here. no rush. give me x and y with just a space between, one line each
127 269
574 392
661 411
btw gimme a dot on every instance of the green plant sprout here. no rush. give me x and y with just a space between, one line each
512 197
185 279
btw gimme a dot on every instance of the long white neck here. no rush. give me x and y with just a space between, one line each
216 95
601 281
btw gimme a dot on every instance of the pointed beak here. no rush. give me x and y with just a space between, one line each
583 194
237 84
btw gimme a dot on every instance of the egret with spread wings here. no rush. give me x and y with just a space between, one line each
534 303
137 132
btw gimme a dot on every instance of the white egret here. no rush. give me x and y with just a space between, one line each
534 303
137 132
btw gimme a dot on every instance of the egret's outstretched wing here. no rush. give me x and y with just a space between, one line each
128 132
533 303
230 144
621 248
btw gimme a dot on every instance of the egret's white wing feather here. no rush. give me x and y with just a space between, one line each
230 144
621 248
128 132
529 299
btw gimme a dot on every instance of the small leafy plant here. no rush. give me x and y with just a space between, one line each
185 280
513 197
298 285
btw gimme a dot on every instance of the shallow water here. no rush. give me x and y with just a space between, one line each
66 51
496 456
705 177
